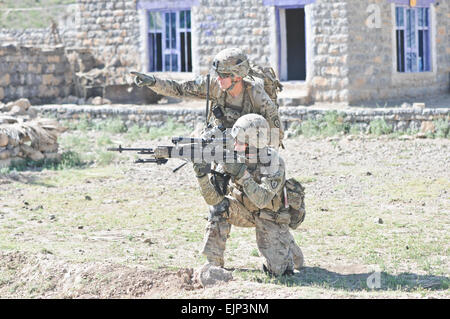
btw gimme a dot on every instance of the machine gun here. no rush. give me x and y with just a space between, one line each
197 150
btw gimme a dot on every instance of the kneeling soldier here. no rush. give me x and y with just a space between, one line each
254 197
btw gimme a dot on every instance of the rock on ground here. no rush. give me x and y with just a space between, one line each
208 275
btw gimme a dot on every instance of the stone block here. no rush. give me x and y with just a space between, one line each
333 70
47 79
322 48
378 60
5 80
335 49
427 126
54 59
118 13
360 82
23 104
3 140
5 154
34 68
87 42
319 81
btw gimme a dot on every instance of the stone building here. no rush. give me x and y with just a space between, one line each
345 51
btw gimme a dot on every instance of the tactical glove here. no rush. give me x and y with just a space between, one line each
142 79
201 169
235 170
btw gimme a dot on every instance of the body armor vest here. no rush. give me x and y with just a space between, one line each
237 191
226 115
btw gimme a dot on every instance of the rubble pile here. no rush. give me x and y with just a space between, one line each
25 136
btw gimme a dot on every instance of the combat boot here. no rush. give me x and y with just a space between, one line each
287 272
297 257
216 261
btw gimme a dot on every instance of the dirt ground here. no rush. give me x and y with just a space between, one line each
375 207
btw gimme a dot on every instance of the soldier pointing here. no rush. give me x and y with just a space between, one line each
233 93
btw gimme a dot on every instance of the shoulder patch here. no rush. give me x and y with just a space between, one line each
276 122
274 184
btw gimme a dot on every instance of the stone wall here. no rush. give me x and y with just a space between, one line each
110 29
220 24
23 136
37 37
372 54
399 118
347 60
39 74
329 80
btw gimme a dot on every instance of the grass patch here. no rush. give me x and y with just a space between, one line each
135 132
442 128
379 127
40 17
69 159
332 123
111 126
171 128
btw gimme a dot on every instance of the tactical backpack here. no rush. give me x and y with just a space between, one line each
271 83
296 200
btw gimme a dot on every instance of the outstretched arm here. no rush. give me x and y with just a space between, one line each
193 88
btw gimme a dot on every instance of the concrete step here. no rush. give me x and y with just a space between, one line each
295 93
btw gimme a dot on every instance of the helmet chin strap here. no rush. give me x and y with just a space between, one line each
233 83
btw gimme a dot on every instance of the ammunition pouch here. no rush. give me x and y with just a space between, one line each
274 205
273 211
217 111
280 217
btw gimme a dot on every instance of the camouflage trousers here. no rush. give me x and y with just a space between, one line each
274 240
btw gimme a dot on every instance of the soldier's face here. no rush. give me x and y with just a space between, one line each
224 82
239 147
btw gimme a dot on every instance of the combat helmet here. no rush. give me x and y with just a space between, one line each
252 129
231 61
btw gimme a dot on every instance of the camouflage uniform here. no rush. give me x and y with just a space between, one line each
252 199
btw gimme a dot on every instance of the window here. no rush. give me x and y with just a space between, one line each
169 41
413 39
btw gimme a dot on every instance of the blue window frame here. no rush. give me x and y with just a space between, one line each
413 39
169 41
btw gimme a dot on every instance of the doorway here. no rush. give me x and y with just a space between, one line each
292 44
